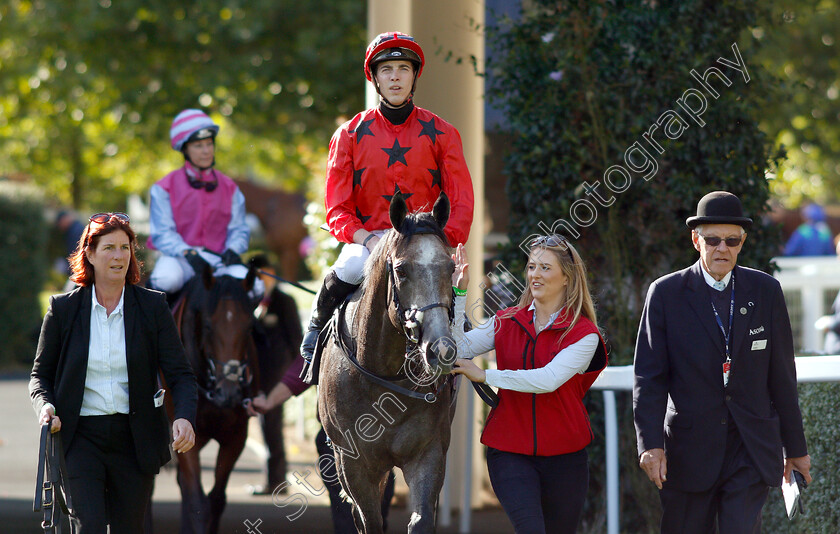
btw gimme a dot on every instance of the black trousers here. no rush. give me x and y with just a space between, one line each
540 494
342 511
732 505
106 484
272 428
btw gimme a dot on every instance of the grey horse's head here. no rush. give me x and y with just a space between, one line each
422 266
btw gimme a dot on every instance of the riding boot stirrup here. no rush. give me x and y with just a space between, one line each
331 294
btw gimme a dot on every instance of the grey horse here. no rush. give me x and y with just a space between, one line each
386 396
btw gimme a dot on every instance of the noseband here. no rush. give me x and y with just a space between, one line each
235 371
411 320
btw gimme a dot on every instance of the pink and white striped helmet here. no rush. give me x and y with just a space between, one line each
189 123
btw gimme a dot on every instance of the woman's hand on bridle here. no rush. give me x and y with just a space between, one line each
470 370
461 276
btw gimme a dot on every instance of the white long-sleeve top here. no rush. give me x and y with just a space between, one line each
571 360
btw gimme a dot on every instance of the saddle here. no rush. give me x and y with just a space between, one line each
312 373
51 482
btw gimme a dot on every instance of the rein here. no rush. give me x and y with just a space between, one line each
51 482
388 382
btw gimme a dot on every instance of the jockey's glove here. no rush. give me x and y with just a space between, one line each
195 260
230 257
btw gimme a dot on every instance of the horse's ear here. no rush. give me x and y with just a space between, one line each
398 210
250 278
207 277
440 211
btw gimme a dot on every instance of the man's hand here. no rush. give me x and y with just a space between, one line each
195 260
655 464
183 436
801 464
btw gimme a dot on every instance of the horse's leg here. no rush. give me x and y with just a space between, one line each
195 507
229 451
365 491
424 476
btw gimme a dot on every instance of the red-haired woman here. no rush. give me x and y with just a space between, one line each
95 378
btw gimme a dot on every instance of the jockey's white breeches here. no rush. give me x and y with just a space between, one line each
172 272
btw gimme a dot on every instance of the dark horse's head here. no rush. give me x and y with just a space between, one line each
417 260
223 324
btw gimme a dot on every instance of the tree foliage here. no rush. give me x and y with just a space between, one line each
23 265
89 89
799 46
580 83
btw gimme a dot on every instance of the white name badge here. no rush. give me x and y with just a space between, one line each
759 344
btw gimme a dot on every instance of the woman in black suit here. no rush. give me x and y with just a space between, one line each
95 377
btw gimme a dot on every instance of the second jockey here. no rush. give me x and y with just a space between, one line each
197 214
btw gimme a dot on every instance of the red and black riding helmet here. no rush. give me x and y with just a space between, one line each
392 46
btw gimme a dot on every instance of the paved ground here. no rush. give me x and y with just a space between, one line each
18 459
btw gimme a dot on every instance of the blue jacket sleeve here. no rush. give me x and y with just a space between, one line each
238 231
163 231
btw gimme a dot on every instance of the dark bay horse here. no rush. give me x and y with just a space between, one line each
385 396
281 215
216 323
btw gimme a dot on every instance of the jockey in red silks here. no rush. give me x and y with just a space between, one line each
395 146
197 214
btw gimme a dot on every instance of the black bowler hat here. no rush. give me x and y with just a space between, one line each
719 207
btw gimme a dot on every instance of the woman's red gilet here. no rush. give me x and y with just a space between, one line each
541 424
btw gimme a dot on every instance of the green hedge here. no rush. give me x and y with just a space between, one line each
820 404
23 270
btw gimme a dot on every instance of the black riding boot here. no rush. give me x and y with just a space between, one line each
331 294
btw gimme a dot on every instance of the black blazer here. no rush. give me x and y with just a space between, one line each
679 402
152 343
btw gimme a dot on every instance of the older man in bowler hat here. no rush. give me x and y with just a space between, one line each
715 402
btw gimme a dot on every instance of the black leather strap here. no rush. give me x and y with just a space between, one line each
486 394
51 482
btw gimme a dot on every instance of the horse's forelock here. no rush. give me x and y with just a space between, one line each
415 223
224 285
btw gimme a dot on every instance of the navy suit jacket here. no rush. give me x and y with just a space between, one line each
679 401
152 344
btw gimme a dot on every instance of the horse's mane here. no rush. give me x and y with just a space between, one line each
206 300
414 223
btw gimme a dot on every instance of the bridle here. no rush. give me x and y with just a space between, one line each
411 320
236 371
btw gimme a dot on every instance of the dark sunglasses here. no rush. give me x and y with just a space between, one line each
102 218
550 241
714 241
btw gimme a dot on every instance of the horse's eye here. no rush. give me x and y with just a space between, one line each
400 270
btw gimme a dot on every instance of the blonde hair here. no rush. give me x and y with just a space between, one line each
578 300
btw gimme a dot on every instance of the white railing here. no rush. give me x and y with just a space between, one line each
620 378
810 284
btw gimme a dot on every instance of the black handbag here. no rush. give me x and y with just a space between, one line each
51 484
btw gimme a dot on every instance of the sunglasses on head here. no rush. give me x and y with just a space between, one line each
102 218
714 241
549 241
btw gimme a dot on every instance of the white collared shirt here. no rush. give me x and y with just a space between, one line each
106 381
711 281
567 363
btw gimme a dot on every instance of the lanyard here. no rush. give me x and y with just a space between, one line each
726 334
